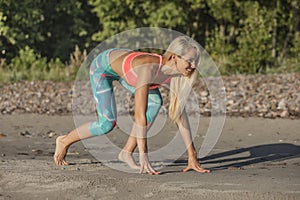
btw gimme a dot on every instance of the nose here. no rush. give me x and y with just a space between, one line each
193 64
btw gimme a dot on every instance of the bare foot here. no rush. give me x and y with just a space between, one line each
60 151
127 158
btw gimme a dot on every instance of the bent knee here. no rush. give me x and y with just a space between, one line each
101 127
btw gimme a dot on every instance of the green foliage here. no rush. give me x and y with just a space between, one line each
164 14
52 29
253 36
22 19
254 51
243 36
292 63
296 48
29 65
67 24
116 16
4 30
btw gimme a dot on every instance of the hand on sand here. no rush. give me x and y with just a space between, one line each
145 166
60 152
193 164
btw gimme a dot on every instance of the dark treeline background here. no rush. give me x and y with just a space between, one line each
242 36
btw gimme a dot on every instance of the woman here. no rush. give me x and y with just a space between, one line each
142 74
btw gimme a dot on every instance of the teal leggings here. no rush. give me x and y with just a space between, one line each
101 78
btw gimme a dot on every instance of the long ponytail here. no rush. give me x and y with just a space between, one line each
181 86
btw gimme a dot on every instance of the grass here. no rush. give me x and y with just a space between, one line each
29 66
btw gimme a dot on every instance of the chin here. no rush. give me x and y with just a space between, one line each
187 74
183 74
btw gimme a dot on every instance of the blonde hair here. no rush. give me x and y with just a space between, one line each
180 86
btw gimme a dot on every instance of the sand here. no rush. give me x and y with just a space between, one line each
255 158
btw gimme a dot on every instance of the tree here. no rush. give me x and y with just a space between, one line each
50 28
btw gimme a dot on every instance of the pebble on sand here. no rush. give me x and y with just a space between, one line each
2 135
268 96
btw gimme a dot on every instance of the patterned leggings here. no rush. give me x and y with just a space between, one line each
101 78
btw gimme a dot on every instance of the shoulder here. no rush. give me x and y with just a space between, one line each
153 58
147 60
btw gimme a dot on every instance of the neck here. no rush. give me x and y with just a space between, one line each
169 68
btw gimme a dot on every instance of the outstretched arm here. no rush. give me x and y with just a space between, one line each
140 125
185 130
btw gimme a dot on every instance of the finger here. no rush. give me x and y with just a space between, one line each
55 161
149 172
58 162
156 173
145 171
201 170
186 169
151 169
206 171
142 169
65 162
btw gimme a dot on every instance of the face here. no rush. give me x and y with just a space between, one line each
186 64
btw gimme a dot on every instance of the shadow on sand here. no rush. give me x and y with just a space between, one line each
239 158
248 156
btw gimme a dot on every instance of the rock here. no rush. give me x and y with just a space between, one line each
203 100
282 105
235 168
204 93
2 135
26 134
276 95
51 134
37 151
284 114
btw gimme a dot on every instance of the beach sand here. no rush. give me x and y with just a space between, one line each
255 158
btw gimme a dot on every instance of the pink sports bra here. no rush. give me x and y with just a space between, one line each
130 76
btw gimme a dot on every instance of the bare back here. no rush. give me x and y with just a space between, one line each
147 60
